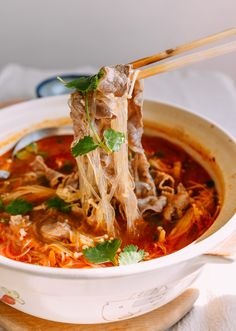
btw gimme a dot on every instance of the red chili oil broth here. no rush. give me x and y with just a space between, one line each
57 155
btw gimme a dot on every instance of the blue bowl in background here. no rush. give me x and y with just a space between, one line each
52 86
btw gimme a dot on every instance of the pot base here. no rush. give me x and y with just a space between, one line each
162 318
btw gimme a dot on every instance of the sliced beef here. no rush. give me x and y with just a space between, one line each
54 177
177 204
145 188
55 230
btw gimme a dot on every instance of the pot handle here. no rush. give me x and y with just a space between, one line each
223 252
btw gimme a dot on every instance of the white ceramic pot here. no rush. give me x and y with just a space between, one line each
116 293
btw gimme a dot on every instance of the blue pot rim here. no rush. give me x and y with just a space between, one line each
54 78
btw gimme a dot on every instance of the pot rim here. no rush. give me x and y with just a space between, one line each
193 250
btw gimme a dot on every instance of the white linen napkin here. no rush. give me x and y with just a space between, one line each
210 94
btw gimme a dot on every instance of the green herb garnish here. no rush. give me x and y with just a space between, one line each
159 154
131 255
210 183
29 150
67 167
84 84
19 207
107 251
23 154
113 139
103 252
84 146
1 205
32 148
58 204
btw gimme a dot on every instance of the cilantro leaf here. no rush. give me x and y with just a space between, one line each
27 151
67 167
84 146
1 205
33 147
19 207
113 139
59 204
159 154
131 255
210 183
103 252
84 84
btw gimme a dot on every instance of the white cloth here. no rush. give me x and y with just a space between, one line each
215 309
210 94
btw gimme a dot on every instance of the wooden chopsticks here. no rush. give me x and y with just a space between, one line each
188 59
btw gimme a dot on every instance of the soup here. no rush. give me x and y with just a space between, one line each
41 224
107 196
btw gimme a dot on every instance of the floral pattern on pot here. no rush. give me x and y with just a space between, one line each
10 297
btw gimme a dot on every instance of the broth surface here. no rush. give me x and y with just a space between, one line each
54 233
